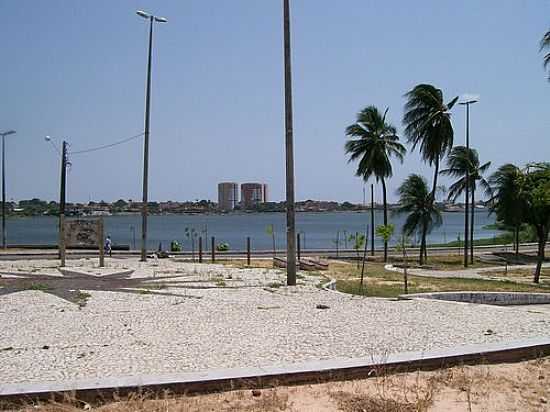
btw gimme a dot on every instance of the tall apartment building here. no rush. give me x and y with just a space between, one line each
253 194
228 195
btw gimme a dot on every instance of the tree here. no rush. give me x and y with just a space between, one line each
428 126
416 200
460 161
191 234
402 246
534 192
358 242
505 200
373 142
545 45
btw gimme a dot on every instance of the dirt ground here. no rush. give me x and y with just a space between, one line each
520 386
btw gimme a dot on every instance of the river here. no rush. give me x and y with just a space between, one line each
318 230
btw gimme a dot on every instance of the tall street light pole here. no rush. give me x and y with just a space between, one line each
289 144
144 210
467 102
4 134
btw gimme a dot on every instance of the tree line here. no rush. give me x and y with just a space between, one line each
517 195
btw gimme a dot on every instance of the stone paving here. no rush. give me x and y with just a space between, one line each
199 317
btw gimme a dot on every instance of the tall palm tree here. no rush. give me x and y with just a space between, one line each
462 160
506 201
428 125
545 45
374 141
423 214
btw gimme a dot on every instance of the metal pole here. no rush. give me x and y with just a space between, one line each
146 148
467 190
290 212
3 193
200 249
62 198
299 248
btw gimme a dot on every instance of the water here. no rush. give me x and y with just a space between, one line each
319 230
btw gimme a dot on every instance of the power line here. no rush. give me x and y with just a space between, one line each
94 149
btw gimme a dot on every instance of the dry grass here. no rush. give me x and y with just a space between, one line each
520 274
507 387
382 283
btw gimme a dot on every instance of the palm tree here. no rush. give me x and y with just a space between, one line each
428 125
374 141
462 160
545 45
505 199
423 215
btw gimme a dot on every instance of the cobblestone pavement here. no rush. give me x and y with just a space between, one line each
220 318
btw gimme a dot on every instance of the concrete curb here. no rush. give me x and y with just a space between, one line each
309 372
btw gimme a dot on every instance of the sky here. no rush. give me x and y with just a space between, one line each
75 70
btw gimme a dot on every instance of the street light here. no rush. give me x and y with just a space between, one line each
467 100
4 134
151 19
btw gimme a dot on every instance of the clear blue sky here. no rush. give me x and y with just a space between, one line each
76 70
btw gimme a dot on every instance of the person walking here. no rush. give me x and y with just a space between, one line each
109 246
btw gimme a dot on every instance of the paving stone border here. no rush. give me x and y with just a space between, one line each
486 298
308 372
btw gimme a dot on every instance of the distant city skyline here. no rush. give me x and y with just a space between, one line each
76 71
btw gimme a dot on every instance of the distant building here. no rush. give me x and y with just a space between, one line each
253 194
228 195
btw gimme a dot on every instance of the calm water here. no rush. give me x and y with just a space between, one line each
318 229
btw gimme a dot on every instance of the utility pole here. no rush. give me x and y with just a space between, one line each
144 211
4 134
289 144
62 199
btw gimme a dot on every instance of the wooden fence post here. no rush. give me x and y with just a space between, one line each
213 249
248 251
101 241
200 249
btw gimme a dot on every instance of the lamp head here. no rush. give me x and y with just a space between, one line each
143 14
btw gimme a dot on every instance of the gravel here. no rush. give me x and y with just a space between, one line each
244 324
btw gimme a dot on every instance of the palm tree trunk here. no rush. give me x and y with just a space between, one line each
517 240
385 217
472 226
436 173
542 235
422 246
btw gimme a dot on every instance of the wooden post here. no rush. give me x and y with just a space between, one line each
299 247
213 249
200 249
62 239
101 242
248 251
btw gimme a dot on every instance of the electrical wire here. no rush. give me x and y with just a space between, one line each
94 149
